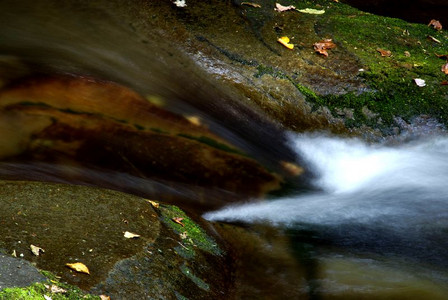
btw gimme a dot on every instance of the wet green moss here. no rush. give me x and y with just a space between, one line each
38 290
393 92
193 236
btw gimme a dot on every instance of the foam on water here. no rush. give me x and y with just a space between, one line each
360 183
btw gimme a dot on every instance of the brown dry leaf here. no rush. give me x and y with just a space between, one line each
435 24
284 40
445 68
178 221
36 250
322 46
130 235
434 39
104 297
442 56
384 53
281 8
153 203
407 54
251 4
79 267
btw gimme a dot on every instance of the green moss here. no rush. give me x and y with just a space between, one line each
393 91
195 236
38 290
198 281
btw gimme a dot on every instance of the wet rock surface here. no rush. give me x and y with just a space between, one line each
80 224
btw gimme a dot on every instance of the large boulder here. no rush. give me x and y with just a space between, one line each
72 224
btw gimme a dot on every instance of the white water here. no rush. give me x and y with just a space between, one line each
386 199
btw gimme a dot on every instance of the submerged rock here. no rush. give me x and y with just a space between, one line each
73 121
81 224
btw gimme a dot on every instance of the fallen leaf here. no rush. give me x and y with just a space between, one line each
434 39
36 250
407 54
130 235
153 203
178 221
419 82
445 68
281 8
284 40
312 11
384 53
56 289
14 253
445 82
291 168
251 4
442 56
322 46
180 3
435 24
104 297
195 120
79 267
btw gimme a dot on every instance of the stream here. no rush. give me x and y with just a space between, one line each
374 225
382 209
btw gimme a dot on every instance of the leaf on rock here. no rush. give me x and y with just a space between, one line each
442 56
56 289
153 203
281 8
284 40
435 24
180 3
322 46
419 82
130 235
445 68
384 53
79 267
312 11
36 250
291 168
251 4
178 220
434 39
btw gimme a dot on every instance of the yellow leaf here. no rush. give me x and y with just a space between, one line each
36 250
79 267
312 11
284 40
153 203
104 297
251 4
130 235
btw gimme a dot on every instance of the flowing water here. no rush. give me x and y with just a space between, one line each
376 224
382 211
